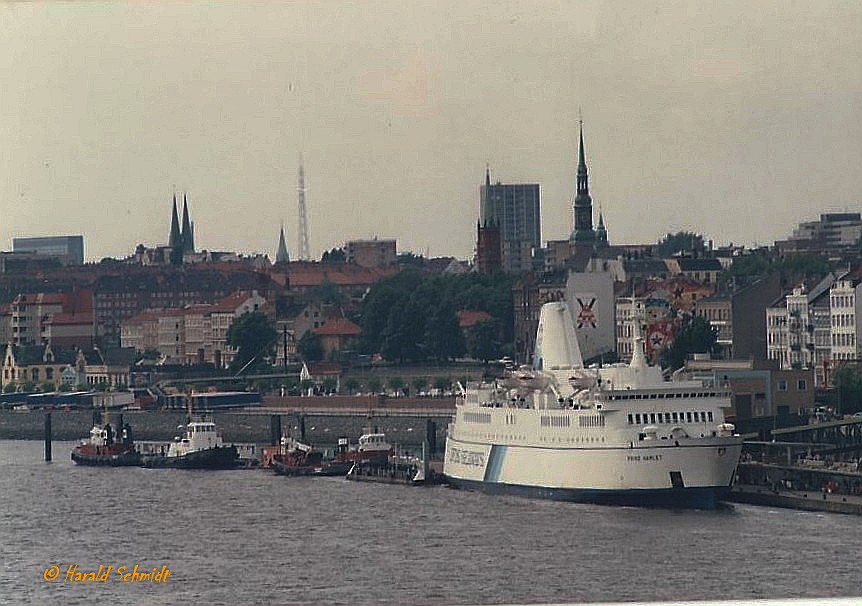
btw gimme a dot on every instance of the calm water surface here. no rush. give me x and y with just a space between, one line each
248 537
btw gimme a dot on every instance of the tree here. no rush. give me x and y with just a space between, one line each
396 384
46 387
419 384
482 343
335 255
443 337
9 388
847 378
309 347
681 241
254 337
442 383
693 335
804 264
351 385
374 385
328 292
330 384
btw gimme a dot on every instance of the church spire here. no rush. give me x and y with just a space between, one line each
175 239
583 203
281 256
187 236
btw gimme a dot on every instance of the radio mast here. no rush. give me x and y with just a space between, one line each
304 253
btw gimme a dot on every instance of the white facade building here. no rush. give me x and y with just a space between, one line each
845 306
818 328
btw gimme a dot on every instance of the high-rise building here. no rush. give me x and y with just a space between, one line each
514 209
69 249
834 233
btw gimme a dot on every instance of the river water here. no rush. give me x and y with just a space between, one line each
249 537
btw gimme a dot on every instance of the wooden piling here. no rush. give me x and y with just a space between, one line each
431 436
47 436
275 430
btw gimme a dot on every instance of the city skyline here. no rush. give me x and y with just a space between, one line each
735 121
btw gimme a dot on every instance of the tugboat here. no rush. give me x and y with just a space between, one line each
201 447
103 449
298 459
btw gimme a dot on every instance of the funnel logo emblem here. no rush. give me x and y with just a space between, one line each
586 316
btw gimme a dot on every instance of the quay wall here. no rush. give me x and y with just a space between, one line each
758 495
407 429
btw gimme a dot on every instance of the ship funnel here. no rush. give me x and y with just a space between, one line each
556 342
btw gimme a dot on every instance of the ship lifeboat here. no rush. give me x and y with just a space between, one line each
726 429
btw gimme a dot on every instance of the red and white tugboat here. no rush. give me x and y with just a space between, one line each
105 448
298 459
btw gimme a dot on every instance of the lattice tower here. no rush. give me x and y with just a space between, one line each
304 253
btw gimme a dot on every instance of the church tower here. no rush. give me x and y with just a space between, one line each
281 256
489 250
583 234
188 235
601 234
175 241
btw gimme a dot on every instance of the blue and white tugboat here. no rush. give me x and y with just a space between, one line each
614 434
200 447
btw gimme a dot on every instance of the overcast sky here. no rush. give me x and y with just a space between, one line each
734 119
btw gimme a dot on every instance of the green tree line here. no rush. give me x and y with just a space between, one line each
412 316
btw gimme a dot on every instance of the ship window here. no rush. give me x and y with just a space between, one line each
675 417
637 419
652 417
630 419
710 416
688 417
660 420
667 417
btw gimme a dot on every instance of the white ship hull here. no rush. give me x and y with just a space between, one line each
689 475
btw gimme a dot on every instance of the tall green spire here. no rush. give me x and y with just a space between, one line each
187 236
175 241
583 204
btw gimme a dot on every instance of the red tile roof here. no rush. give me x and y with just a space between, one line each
339 327
342 274
470 317
70 319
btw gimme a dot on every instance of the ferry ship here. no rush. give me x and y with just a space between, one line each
618 434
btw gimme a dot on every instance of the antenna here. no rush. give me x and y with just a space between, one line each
304 254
